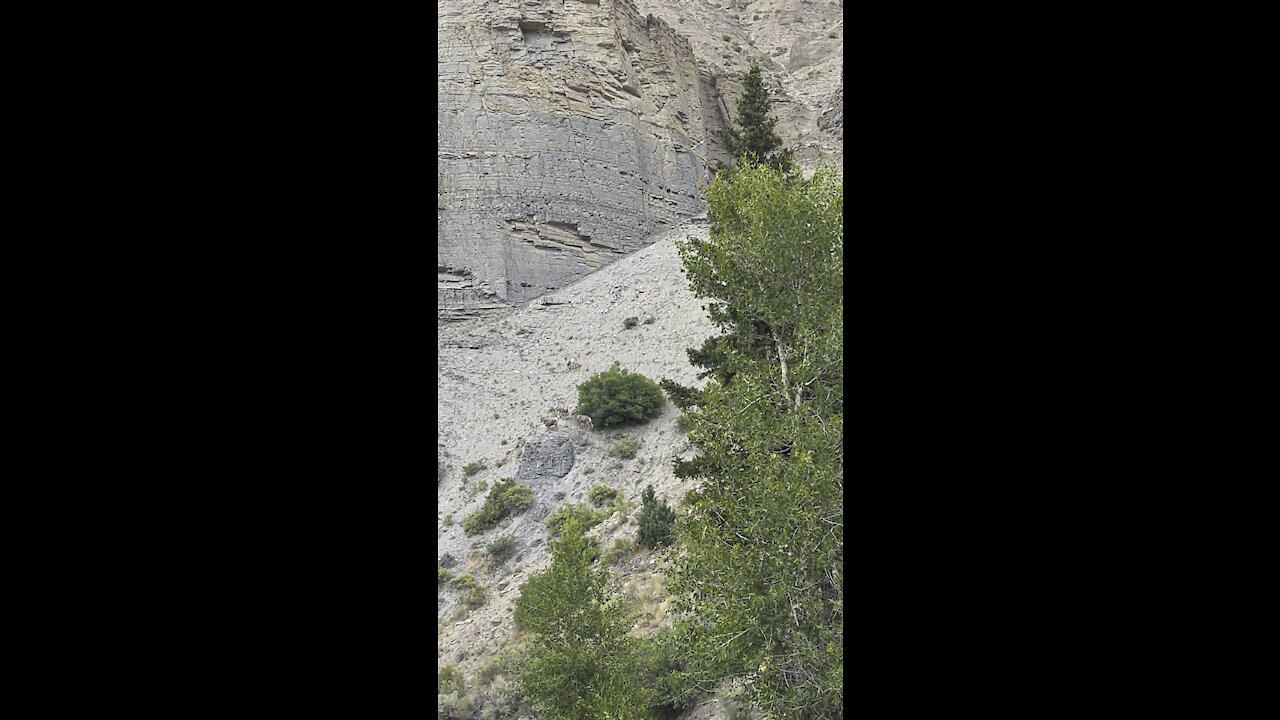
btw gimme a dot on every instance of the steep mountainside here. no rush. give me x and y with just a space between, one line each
499 378
570 131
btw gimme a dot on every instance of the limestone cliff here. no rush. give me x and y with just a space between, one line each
569 131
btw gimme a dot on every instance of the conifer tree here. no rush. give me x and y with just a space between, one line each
655 520
752 136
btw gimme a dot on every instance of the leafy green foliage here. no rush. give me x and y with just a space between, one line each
674 692
502 548
472 468
751 136
681 396
626 448
475 591
580 662
448 680
506 498
443 575
774 265
585 517
602 494
656 519
616 397
759 587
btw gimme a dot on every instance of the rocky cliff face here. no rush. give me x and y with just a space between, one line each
569 131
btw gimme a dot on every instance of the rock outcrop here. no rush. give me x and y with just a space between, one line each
545 459
571 130
568 132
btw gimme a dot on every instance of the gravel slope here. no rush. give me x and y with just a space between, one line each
499 377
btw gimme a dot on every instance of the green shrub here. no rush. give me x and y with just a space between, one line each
681 396
625 448
472 468
630 322
475 591
589 667
448 520
685 422
583 515
506 498
620 549
466 582
443 574
667 674
616 397
448 680
656 519
500 665
588 470
502 549
602 494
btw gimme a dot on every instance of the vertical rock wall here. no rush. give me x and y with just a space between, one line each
568 131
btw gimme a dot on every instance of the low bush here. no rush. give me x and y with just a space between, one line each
472 468
448 680
475 591
625 448
502 549
602 494
443 575
506 498
585 516
630 322
617 397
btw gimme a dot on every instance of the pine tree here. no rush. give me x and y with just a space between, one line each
753 137
655 520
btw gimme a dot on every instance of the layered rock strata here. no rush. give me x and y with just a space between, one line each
568 132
